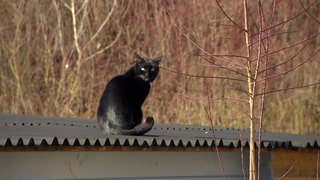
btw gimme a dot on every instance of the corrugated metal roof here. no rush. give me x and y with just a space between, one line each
27 130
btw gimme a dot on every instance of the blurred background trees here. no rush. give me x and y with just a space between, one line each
57 56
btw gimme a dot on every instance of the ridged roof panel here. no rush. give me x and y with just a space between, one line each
27 130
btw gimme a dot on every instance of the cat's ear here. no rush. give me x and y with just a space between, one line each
138 57
157 60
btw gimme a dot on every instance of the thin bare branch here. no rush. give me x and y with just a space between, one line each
212 63
226 55
260 45
290 46
219 58
318 159
104 49
75 31
187 36
242 158
314 18
297 66
83 7
229 18
210 118
59 29
66 5
103 24
203 76
275 33
213 99
287 89
198 46
290 59
290 19
287 172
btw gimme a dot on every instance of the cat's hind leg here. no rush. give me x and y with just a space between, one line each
104 125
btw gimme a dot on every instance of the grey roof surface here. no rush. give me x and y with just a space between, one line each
27 130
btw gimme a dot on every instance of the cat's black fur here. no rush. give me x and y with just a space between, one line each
119 111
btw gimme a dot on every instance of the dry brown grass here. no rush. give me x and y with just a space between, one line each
43 72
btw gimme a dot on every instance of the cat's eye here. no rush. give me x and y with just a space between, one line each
143 69
152 69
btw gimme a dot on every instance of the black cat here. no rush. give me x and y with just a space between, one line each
119 110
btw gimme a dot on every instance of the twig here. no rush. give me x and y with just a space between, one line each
287 89
219 58
296 67
261 18
59 89
198 46
314 18
84 15
287 172
229 18
290 19
290 59
226 55
203 76
318 157
213 99
223 67
103 24
242 158
74 28
209 114
290 46
104 49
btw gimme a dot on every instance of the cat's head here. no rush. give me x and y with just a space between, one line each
147 69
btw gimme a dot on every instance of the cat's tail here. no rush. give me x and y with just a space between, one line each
140 129
107 128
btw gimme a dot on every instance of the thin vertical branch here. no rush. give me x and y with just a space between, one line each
252 169
209 114
84 8
318 165
75 31
261 15
103 24
264 84
60 40
242 158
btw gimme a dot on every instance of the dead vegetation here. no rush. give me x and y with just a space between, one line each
56 57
